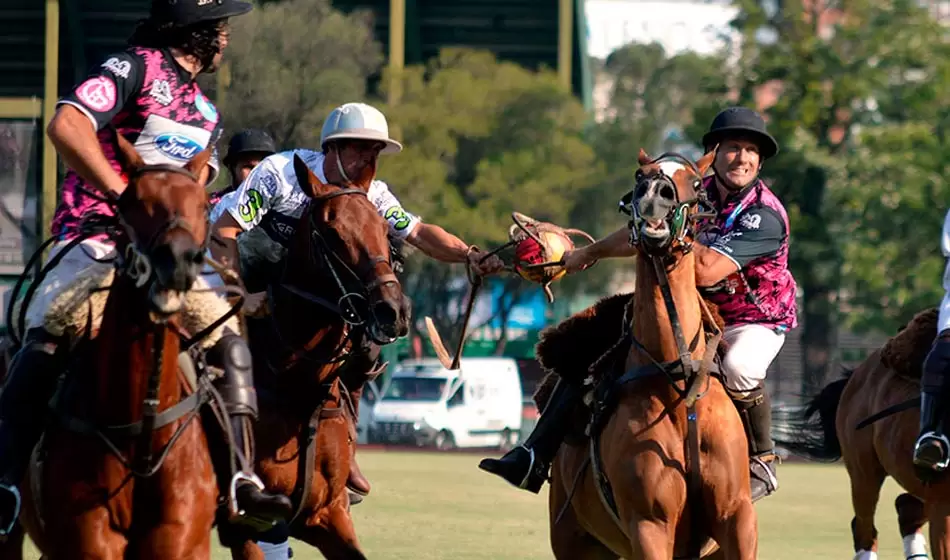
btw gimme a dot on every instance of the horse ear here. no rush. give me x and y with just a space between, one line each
705 161
308 180
197 163
129 155
643 158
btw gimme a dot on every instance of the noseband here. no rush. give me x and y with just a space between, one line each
678 216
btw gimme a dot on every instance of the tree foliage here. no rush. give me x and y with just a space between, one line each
291 62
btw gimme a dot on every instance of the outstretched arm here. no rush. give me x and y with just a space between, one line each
615 245
437 243
441 245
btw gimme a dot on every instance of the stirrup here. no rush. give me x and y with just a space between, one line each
17 503
524 482
770 480
232 491
944 461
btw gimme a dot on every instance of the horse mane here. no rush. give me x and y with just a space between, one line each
569 348
905 352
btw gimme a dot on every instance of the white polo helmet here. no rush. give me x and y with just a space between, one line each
358 121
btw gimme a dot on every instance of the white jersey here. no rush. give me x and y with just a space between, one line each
269 203
943 321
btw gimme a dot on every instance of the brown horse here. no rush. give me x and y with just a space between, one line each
870 418
125 472
338 291
665 471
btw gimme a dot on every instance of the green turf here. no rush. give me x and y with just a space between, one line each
428 506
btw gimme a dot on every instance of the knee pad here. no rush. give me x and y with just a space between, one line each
236 386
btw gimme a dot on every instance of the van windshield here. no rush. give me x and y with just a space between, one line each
416 389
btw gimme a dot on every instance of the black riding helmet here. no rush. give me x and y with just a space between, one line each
741 121
248 141
189 12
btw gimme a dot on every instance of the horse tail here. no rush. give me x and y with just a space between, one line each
812 433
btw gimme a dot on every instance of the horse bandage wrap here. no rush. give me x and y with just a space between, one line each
82 303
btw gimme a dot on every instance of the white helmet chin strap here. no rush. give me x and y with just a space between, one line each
339 166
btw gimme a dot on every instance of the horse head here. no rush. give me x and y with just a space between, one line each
666 201
348 257
164 214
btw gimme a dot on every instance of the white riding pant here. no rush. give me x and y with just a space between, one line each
59 303
77 263
752 349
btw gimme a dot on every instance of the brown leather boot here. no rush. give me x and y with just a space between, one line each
356 482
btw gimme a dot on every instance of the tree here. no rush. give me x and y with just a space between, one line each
291 62
834 66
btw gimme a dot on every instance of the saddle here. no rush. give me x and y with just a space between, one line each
905 352
589 347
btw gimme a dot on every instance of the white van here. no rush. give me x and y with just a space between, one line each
425 404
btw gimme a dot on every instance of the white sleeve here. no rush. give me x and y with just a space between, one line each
257 195
401 223
943 321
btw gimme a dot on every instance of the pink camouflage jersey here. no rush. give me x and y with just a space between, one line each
752 229
155 104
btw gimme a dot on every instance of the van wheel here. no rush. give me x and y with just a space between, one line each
444 441
507 440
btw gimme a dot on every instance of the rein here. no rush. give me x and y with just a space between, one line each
693 373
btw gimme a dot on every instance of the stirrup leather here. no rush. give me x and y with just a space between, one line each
17 503
944 462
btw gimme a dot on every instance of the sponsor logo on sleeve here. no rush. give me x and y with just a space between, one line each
120 68
97 93
398 218
750 221
250 208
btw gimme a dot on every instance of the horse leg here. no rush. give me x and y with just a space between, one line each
170 541
569 540
336 539
866 481
737 535
938 515
651 540
911 518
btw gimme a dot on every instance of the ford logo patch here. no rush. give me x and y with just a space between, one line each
177 146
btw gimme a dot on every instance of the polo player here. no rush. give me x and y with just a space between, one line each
741 266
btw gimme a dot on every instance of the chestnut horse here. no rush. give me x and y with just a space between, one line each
124 471
667 468
871 419
338 292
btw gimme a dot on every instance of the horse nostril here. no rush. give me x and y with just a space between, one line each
386 315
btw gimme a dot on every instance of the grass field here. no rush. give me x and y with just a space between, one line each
428 506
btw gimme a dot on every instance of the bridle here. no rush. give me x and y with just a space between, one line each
679 216
351 303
